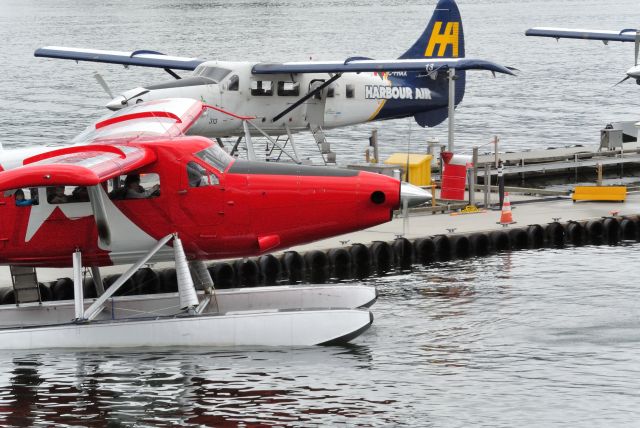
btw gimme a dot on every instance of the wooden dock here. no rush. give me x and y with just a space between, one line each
557 160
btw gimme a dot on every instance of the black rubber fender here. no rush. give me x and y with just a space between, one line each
360 260
270 269
575 234
168 280
629 229
555 234
381 256
62 289
7 296
292 267
425 250
403 253
222 274
317 266
127 289
339 263
518 239
536 236
611 227
480 244
45 292
595 231
499 241
460 246
145 281
443 247
88 288
247 272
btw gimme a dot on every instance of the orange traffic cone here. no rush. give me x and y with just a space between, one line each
506 217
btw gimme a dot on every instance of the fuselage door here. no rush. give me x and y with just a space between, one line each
316 104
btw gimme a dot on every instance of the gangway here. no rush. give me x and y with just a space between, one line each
25 284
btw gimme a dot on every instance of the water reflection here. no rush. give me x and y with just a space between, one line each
211 388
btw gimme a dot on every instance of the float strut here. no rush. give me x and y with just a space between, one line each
77 286
93 310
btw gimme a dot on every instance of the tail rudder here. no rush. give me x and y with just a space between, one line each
443 37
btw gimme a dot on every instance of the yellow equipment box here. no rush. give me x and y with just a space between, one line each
600 193
419 167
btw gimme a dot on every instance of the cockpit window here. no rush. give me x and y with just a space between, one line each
215 157
234 83
214 73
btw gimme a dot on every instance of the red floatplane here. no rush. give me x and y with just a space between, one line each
135 188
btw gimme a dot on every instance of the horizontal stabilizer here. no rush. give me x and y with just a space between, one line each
371 65
136 58
565 33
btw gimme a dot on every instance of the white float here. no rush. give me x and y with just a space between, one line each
223 301
265 316
247 328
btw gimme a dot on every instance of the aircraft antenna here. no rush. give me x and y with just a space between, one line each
406 178
637 44
405 202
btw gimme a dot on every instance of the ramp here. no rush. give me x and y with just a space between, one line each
25 284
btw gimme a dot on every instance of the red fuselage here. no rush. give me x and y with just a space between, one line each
237 209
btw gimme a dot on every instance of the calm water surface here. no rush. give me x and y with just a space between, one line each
534 338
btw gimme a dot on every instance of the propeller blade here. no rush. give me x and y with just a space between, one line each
102 83
621 81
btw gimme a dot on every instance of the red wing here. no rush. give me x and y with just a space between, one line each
76 166
169 117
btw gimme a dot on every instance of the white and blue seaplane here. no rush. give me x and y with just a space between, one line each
280 99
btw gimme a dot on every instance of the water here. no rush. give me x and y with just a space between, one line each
533 338
494 341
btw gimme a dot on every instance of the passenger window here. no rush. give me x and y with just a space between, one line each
288 89
331 92
67 194
26 197
234 83
134 186
350 90
262 88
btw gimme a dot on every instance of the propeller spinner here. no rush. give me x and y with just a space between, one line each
633 72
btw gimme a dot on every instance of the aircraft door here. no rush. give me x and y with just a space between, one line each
316 104
200 202
7 218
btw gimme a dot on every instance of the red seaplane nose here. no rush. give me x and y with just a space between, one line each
293 205
378 196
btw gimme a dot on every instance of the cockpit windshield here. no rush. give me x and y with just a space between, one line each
215 157
214 73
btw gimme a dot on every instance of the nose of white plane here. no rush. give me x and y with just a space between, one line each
414 195
117 103
634 72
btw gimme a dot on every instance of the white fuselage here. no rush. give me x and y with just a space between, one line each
351 99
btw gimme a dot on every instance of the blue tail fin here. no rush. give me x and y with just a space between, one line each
443 37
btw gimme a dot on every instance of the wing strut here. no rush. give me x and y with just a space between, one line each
172 73
306 97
